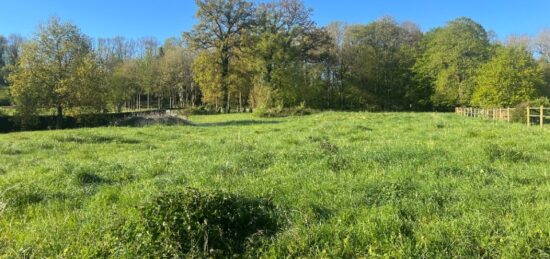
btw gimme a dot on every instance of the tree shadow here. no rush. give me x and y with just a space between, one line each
235 123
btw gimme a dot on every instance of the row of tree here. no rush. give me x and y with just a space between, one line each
245 54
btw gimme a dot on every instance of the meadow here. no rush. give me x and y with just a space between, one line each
334 184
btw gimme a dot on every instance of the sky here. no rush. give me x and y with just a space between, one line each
169 18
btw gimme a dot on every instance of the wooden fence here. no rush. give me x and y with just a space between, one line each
500 114
533 115
537 115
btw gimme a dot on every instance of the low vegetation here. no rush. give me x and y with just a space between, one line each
326 185
4 96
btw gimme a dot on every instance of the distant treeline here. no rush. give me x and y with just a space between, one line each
272 54
46 122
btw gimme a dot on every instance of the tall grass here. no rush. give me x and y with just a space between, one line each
340 184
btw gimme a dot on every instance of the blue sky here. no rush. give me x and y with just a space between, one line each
166 18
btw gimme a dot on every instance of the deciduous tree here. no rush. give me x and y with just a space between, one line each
58 70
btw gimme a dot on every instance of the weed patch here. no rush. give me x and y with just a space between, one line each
506 153
191 223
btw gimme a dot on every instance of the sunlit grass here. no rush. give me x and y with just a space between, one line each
348 184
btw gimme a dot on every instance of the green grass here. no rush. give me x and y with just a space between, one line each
344 184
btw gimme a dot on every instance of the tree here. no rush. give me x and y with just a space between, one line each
122 82
13 50
221 26
522 41
337 66
382 54
512 76
286 40
3 51
208 77
175 75
450 60
147 73
542 44
57 69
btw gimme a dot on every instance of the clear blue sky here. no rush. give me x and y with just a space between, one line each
166 18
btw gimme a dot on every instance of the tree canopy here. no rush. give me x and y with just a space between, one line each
272 54
57 70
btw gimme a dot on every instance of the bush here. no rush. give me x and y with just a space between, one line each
520 114
284 112
190 223
198 110
4 96
144 120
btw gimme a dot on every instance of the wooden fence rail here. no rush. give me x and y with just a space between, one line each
537 115
501 114
534 115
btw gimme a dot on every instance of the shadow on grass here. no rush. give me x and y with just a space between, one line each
235 123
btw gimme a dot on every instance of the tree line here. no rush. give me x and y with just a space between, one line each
259 55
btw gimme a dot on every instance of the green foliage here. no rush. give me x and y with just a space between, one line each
511 77
380 56
222 27
4 96
519 114
57 70
190 223
284 112
450 60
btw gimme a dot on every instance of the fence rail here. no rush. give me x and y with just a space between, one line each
537 114
500 114
532 115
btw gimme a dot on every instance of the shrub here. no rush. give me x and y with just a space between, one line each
520 114
198 110
144 120
190 223
284 112
4 96
506 153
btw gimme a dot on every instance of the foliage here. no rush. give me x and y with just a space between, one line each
4 96
511 77
263 55
284 112
207 74
381 55
520 112
450 60
57 69
190 223
221 26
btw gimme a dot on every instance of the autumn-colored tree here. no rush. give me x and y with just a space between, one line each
221 27
57 70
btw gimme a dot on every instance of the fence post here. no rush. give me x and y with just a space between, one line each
528 116
508 114
541 115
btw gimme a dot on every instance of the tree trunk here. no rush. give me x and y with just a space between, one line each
59 118
148 107
224 75
240 101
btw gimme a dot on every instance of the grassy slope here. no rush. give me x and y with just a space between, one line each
352 183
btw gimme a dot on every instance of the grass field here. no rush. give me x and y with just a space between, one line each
342 184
